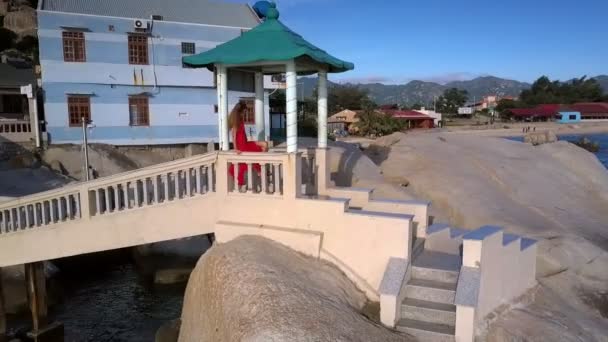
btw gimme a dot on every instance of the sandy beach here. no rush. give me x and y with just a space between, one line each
516 129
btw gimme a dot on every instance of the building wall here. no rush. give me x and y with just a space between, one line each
181 100
566 117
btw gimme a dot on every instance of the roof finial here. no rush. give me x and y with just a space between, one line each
272 13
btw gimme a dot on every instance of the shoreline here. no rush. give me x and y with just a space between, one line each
515 130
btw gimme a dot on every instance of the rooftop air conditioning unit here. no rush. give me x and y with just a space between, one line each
141 25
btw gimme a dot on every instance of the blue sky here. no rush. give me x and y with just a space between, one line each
394 41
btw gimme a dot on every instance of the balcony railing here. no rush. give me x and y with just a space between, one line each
16 130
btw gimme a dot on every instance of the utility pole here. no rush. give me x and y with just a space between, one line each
85 148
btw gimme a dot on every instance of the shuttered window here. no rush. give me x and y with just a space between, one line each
139 111
73 47
138 49
79 107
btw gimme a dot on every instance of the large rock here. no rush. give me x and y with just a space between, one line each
253 289
22 22
557 193
22 182
539 138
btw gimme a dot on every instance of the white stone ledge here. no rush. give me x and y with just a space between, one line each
390 289
467 291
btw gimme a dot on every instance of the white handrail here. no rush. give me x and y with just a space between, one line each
117 178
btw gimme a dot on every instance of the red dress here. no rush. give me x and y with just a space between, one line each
242 144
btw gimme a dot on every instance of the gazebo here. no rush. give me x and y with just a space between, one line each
268 49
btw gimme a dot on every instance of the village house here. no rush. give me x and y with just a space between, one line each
593 111
19 120
414 119
118 64
342 121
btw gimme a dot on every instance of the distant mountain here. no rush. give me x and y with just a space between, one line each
489 85
603 81
424 92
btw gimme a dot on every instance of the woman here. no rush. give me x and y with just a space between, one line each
241 144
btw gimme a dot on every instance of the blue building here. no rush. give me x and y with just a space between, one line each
568 117
118 63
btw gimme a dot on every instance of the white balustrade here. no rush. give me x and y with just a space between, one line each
309 171
155 185
39 210
150 187
260 173
309 181
16 130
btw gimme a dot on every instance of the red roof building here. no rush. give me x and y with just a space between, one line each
588 110
591 110
415 119
532 113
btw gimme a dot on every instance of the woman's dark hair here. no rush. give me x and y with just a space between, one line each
235 115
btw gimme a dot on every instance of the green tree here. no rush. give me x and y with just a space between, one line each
351 97
451 100
29 46
372 122
544 90
7 39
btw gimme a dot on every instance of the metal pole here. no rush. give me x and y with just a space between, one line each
85 148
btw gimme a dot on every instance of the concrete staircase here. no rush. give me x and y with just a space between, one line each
428 311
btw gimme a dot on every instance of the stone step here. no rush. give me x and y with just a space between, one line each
431 290
432 312
427 332
443 267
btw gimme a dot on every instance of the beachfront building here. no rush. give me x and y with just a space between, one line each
19 121
578 112
413 119
594 111
547 112
568 116
342 122
118 64
437 117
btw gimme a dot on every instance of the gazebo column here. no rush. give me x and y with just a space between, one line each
259 107
322 155
222 95
322 110
292 107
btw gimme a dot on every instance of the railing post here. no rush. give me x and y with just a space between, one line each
292 175
85 203
221 174
323 171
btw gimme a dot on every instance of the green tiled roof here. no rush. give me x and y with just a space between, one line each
271 41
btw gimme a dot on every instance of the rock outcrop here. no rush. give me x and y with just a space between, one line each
539 138
557 193
253 289
22 22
